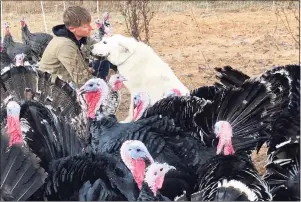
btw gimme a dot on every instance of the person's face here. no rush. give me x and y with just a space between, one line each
81 31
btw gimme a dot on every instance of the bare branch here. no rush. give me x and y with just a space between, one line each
138 15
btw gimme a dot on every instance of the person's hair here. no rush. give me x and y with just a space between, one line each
76 16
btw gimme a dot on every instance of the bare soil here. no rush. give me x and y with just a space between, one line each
252 41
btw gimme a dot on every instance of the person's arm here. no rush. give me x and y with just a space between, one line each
74 63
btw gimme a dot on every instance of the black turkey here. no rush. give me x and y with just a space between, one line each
285 83
21 175
29 83
13 48
230 176
90 177
37 41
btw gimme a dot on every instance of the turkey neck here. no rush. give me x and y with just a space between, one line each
98 128
8 40
25 32
146 194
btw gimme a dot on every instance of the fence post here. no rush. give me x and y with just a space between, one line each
97 8
2 36
44 17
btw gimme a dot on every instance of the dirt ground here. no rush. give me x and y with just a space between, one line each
251 41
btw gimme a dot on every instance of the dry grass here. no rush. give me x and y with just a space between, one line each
245 35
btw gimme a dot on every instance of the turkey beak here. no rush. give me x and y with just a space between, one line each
82 90
124 79
171 168
135 106
148 159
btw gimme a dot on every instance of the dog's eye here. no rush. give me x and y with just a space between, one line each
104 42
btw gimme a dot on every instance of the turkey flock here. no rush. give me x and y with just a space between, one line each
60 143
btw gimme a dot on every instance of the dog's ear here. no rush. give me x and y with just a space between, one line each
127 45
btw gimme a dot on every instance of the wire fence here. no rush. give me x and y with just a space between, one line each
51 11
34 7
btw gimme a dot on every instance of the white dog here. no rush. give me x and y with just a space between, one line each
143 69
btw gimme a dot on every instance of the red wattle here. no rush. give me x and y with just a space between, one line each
228 148
14 130
158 185
92 99
118 85
219 145
138 171
137 111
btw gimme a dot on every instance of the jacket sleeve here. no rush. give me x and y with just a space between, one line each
72 60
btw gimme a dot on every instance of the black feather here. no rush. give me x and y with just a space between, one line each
68 176
37 41
49 136
249 109
226 168
229 77
21 175
283 172
205 92
158 135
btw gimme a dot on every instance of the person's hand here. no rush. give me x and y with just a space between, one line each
91 70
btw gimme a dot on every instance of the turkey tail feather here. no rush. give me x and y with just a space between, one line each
21 175
248 109
205 92
49 136
26 83
230 77
230 194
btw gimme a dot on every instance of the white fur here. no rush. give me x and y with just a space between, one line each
141 66
239 186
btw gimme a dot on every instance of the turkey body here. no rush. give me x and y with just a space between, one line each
13 48
5 60
90 177
214 180
146 194
37 41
